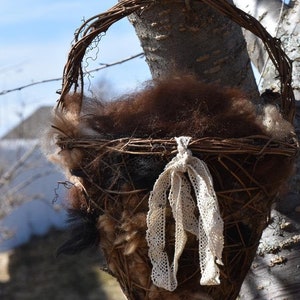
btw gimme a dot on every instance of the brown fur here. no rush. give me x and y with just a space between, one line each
171 107
177 106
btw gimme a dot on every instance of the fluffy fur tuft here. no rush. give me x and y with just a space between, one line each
168 108
275 125
174 107
83 233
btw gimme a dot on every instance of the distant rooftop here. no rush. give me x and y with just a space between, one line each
33 126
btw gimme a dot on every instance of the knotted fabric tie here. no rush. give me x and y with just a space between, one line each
183 173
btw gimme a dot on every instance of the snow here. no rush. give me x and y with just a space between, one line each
31 182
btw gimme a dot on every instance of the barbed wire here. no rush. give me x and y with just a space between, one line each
102 66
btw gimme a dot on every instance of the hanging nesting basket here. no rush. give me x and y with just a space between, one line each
175 215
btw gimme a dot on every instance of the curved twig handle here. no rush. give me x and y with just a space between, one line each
93 27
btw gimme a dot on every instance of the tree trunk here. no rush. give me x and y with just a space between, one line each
190 36
283 22
275 271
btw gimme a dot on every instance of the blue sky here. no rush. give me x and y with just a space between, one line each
35 37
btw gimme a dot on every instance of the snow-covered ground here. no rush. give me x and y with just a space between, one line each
31 200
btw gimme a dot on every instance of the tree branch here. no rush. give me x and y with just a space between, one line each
103 66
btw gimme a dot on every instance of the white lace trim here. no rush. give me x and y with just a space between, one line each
208 228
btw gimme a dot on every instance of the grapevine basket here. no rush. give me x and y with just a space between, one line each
104 192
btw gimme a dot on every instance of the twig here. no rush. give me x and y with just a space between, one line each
103 66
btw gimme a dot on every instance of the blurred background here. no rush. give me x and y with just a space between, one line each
35 38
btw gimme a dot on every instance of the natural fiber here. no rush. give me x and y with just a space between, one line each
113 176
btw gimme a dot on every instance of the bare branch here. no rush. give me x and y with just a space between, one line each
103 66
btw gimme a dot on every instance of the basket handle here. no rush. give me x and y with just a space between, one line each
73 73
279 58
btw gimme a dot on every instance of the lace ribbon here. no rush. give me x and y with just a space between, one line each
181 174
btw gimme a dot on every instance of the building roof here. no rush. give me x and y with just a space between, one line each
33 126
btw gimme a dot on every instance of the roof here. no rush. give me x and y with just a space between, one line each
33 126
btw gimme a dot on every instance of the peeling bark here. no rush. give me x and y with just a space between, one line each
266 279
275 273
283 22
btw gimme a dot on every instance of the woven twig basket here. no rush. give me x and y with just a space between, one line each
236 164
